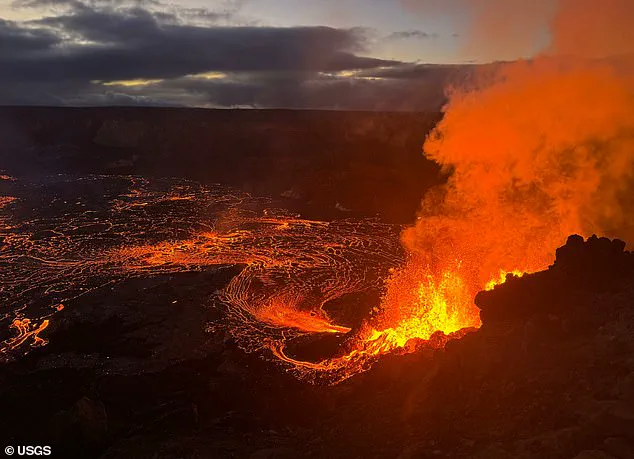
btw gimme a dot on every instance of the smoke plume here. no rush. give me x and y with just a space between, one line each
537 149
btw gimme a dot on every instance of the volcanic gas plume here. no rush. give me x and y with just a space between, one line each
536 150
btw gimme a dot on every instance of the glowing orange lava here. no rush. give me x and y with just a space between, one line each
6 200
25 330
502 279
424 308
421 304
283 313
281 291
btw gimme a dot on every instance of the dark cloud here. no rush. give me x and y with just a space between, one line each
295 91
64 58
135 43
108 26
16 41
170 52
406 71
17 4
84 4
411 34
228 10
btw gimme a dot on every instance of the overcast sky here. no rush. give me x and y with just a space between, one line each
358 54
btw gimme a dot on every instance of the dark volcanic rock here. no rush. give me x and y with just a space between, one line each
332 162
85 424
619 447
582 269
547 375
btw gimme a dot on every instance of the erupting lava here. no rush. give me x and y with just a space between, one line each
293 268
421 304
536 150
283 313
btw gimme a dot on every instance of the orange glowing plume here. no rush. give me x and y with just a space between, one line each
537 150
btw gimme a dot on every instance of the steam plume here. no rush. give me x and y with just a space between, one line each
537 149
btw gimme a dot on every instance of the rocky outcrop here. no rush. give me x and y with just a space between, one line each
549 374
582 270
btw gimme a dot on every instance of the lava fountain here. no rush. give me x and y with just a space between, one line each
535 151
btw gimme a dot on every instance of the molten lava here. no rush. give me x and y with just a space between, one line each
501 279
283 313
419 303
26 331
